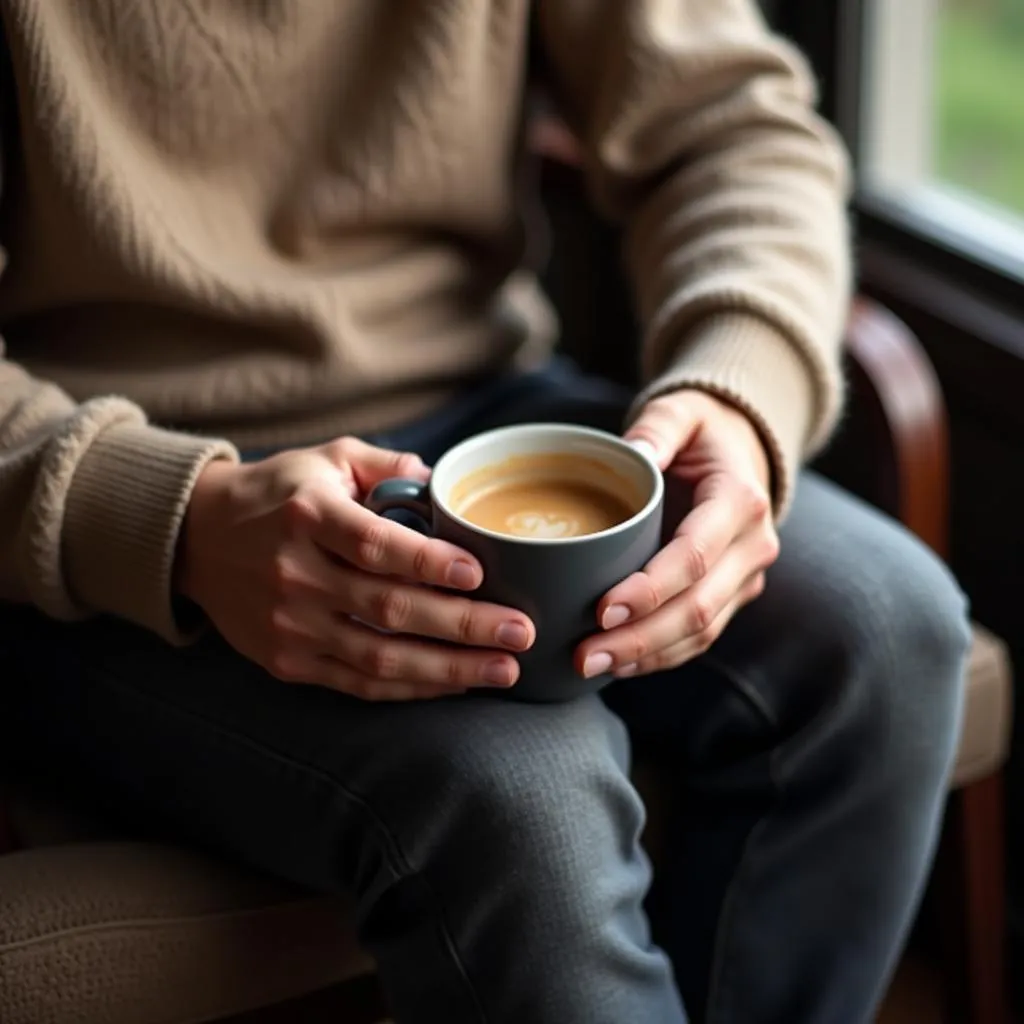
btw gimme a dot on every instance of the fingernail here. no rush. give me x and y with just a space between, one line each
645 448
461 575
616 615
513 635
597 664
498 673
626 670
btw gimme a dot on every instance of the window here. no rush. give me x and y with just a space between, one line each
942 121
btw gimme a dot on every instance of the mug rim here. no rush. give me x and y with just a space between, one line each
612 440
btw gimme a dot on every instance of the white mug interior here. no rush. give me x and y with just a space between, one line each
495 446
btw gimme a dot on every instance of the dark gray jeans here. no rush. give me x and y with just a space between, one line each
492 849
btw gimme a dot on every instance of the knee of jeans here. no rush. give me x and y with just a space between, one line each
533 791
903 633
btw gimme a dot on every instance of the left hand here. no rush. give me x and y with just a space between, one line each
679 603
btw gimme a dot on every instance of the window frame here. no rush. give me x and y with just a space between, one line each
953 288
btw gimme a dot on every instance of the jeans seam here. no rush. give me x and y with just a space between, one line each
730 901
397 863
716 983
743 686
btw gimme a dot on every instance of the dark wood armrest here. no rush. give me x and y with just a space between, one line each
899 391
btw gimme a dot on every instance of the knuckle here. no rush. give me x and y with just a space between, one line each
296 514
695 561
771 547
454 672
648 594
339 450
758 502
637 646
392 609
300 513
465 626
705 638
757 586
281 665
285 576
421 561
408 463
702 615
371 543
281 623
383 661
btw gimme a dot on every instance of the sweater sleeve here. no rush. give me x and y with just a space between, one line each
91 501
699 133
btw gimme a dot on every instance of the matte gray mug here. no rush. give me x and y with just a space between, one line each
557 582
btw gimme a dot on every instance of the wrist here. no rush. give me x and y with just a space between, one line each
207 497
757 445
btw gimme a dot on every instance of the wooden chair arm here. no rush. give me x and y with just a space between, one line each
895 382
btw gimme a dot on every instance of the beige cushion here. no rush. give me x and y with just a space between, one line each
130 933
988 712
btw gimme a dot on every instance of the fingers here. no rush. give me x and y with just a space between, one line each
666 426
399 607
728 510
322 670
314 587
380 546
394 658
357 655
693 646
693 616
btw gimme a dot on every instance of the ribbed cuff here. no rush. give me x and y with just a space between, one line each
748 363
122 516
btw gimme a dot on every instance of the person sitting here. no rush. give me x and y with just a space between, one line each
261 256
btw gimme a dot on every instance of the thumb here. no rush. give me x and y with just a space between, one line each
664 427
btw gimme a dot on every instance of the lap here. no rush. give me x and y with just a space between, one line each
215 741
201 741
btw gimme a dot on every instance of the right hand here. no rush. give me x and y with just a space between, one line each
299 577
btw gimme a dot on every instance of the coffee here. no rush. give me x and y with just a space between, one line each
546 497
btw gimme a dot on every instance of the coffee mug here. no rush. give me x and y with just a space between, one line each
582 511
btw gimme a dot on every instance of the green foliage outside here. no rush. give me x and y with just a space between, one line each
980 99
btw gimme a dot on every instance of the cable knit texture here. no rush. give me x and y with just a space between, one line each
236 223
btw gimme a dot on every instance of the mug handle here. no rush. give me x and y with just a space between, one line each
411 495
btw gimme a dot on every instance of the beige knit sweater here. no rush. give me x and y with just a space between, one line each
250 222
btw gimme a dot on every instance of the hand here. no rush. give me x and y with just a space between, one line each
678 605
299 577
